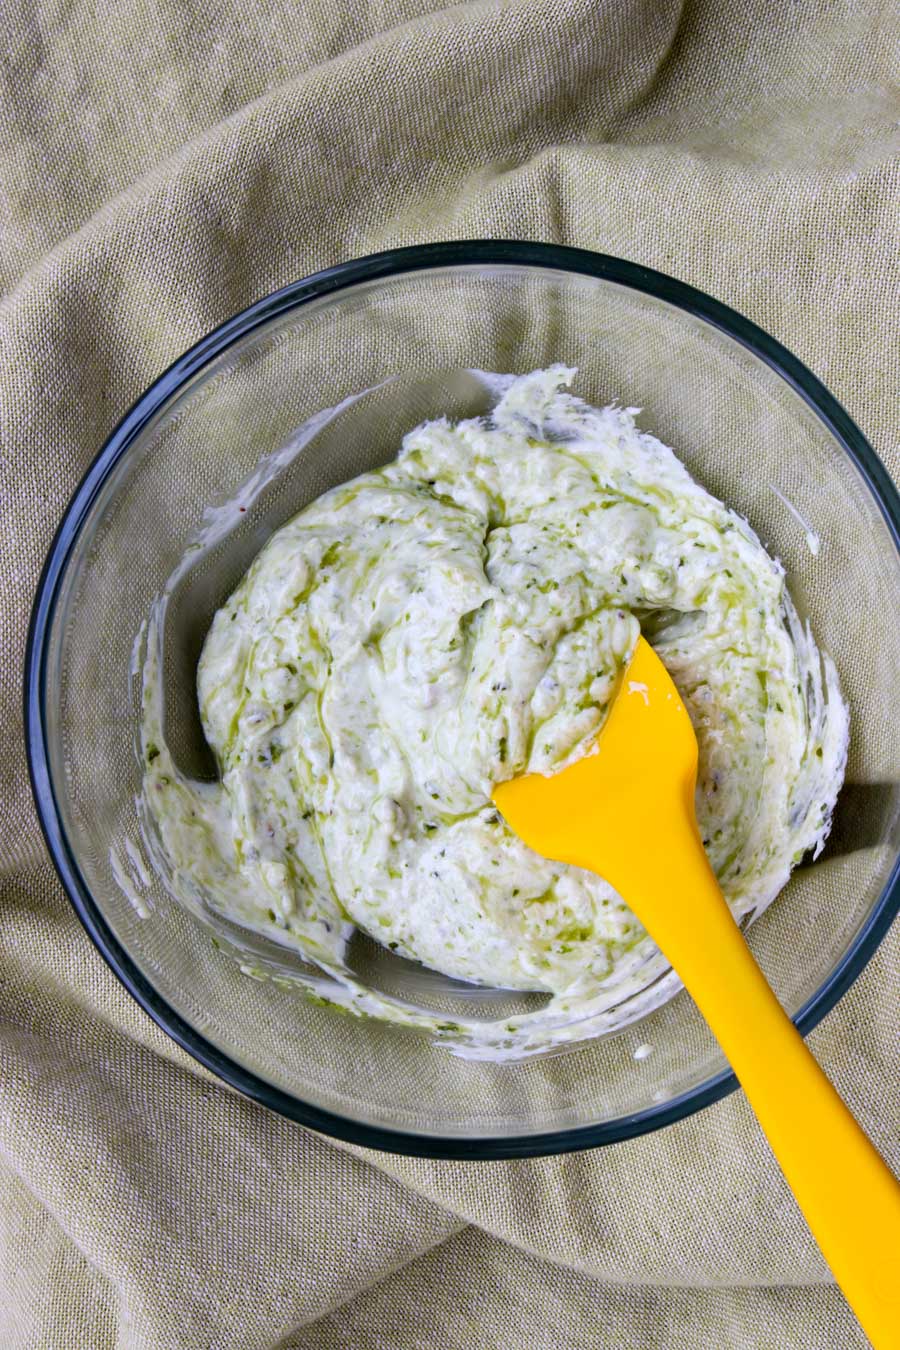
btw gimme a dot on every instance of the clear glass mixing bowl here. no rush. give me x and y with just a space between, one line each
384 343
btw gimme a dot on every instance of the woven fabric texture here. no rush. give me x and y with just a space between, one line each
162 165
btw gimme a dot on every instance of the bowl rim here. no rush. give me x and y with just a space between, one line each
331 281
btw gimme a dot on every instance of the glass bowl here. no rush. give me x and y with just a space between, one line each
383 343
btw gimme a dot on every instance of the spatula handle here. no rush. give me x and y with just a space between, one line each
847 1193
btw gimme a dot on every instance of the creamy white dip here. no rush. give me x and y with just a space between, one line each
455 619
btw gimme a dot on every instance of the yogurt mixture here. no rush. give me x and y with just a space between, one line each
457 618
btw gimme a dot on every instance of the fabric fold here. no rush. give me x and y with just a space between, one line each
161 167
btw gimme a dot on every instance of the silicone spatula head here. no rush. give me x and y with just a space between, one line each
632 793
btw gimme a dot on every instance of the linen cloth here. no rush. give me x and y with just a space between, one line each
162 164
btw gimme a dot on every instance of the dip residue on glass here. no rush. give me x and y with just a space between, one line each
459 617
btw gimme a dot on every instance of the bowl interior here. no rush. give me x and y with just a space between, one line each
308 400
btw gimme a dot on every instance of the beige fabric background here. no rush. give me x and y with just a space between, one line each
162 164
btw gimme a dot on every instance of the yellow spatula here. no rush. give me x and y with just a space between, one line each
627 813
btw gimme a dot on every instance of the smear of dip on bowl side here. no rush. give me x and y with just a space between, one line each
453 620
